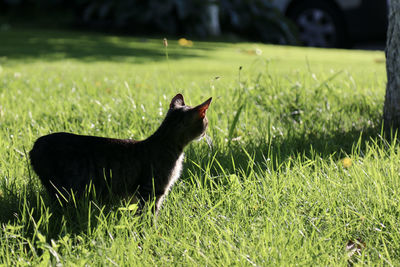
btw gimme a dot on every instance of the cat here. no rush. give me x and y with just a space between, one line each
122 168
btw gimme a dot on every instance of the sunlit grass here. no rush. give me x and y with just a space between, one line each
294 168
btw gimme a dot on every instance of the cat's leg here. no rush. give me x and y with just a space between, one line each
148 194
159 200
145 195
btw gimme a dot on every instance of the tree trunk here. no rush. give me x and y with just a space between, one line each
391 111
214 29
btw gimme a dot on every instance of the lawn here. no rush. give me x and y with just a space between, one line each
293 171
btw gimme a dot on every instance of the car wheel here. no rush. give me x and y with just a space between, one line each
319 23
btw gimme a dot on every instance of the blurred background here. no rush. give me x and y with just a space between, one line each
320 23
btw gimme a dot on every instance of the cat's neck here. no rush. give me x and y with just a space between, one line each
165 138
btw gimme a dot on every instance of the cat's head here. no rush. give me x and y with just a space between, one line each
187 123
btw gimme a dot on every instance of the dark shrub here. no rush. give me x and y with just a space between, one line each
254 19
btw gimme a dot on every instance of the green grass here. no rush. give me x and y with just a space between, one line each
269 188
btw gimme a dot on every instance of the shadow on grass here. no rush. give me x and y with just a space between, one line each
273 154
31 211
34 211
49 45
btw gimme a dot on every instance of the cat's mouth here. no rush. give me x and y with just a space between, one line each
207 138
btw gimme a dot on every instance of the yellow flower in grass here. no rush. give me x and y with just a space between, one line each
185 42
346 162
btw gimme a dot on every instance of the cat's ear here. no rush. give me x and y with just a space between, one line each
177 101
202 108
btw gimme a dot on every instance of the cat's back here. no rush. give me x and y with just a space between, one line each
63 146
68 141
68 160
48 145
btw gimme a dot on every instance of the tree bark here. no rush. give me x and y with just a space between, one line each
391 111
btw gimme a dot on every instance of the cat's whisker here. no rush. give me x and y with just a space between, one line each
209 141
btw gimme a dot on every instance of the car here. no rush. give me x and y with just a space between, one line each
336 23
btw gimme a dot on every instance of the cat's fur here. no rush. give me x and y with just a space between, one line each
120 167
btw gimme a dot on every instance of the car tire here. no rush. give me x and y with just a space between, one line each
320 24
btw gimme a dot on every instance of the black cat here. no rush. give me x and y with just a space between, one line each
120 167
